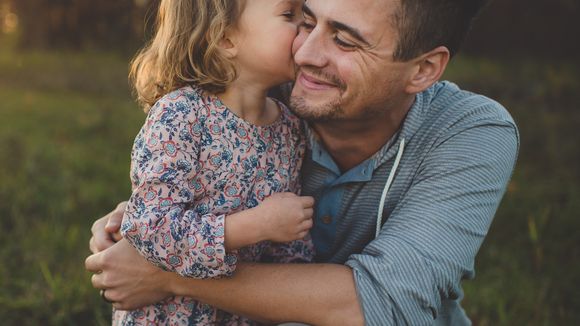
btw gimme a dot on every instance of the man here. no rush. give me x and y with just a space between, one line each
407 173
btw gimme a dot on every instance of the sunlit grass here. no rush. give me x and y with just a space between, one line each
64 151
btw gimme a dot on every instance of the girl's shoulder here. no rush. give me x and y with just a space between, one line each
185 102
287 115
186 95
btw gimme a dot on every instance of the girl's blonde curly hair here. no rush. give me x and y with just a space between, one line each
185 49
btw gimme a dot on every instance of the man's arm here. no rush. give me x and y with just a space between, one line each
424 250
429 243
317 294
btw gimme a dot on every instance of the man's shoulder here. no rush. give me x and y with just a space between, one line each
452 105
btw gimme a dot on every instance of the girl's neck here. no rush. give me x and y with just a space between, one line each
250 102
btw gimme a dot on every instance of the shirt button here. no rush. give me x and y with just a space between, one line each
327 219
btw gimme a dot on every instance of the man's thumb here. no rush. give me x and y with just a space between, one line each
113 224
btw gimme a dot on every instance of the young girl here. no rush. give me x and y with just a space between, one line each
215 167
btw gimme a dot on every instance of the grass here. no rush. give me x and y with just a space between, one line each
64 148
529 266
67 122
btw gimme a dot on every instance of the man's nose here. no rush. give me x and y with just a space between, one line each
310 49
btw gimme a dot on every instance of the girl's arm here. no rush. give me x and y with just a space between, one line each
159 220
282 217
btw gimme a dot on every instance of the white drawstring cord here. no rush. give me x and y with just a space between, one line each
388 185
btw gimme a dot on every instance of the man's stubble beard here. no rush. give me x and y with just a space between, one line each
332 111
327 112
322 113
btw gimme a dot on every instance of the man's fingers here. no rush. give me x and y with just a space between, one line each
101 239
105 229
93 246
99 224
307 201
94 263
113 225
98 244
97 281
107 295
121 305
121 206
115 218
113 294
105 244
116 236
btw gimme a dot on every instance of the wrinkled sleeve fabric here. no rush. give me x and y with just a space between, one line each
159 220
429 242
298 251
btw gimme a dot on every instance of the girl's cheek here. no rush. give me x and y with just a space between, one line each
298 41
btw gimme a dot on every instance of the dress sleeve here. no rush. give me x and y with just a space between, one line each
298 251
159 220
429 242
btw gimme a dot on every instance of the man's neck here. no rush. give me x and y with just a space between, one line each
351 142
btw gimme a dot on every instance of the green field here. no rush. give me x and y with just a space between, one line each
67 122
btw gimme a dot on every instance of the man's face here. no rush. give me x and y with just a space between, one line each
344 53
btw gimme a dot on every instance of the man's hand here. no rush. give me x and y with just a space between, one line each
128 279
106 229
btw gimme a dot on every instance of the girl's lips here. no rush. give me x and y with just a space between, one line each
313 83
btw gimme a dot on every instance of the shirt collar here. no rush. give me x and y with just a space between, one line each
364 171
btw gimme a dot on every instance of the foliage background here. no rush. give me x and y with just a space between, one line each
67 121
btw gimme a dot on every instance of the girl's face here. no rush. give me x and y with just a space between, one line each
263 37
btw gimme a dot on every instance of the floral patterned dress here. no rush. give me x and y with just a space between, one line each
193 163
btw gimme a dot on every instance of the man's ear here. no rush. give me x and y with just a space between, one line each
428 69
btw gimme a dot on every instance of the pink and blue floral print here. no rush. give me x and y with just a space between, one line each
193 163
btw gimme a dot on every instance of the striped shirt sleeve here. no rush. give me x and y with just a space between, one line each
429 242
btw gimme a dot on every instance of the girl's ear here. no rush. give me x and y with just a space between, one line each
428 69
228 44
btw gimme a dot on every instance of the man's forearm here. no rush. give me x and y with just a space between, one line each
317 294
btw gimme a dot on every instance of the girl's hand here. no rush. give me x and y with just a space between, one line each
285 216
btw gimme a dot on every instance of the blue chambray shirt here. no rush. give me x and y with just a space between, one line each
333 188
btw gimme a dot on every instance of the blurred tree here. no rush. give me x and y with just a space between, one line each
8 20
81 23
527 28
506 27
